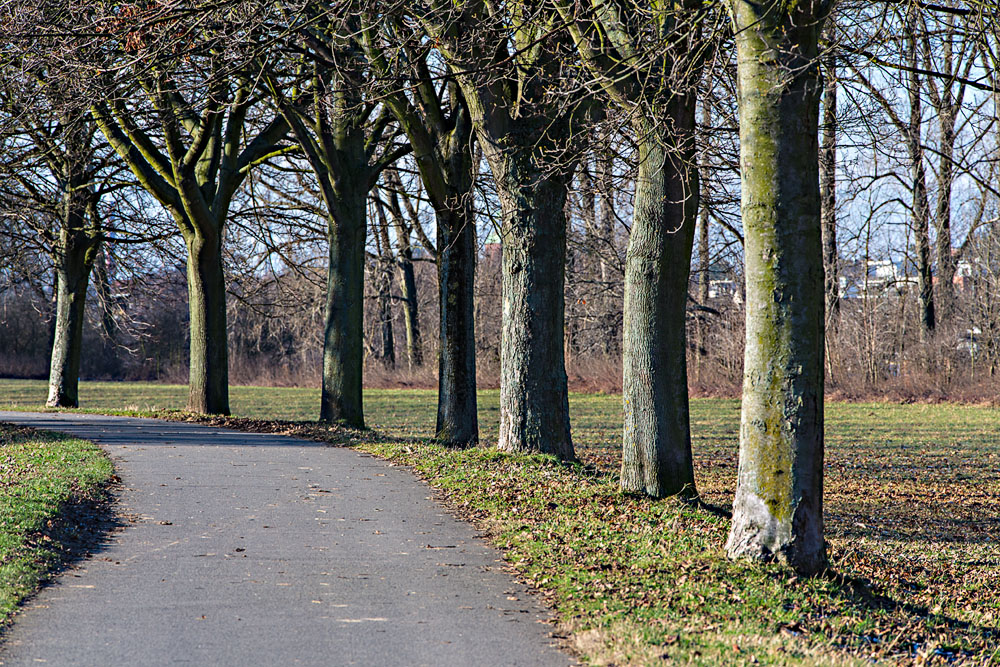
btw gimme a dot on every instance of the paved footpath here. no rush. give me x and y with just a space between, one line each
253 549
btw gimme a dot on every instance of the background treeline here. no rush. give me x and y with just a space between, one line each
912 192
136 325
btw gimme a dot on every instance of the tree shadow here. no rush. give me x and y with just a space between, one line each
80 530
919 629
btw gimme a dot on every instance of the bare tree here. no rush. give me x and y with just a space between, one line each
506 63
778 509
347 140
436 120
181 126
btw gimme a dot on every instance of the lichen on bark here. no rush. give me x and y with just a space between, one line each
778 510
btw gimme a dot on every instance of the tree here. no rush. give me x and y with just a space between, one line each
63 193
54 174
192 156
953 65
438 126
348 142
382 270
654 81
919 207
407 278
828 181
507 63
778 509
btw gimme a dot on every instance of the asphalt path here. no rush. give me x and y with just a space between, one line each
254 549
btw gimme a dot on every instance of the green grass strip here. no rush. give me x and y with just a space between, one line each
41 474
640 582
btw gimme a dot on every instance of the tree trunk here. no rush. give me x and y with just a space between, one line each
828 190
534 403
604 169
208 382
411 311
656 455
704 259
920 208
383 268
343 344
704 262
73 265
457 419
778 509
102 282
944 300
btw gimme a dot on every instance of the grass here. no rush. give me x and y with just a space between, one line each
42 475
912 506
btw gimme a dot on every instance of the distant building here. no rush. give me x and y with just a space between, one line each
873 278
725 289
963 275
858 279
492 246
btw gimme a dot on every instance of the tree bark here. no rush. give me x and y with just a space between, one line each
521 130
701 326
208 382
828 190
944 300
383 285
457 418
74 261
656 454
343 339
534 399
445 159
102 282
207 167
606 224
778 509
704 264
411 309
920 208
384 282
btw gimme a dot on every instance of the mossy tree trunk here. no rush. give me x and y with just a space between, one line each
656 453
661 97
74 259
778 509
343 335
208 384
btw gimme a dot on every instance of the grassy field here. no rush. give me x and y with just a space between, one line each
912 510
43 477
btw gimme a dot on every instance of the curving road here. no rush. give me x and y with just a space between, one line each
253 549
